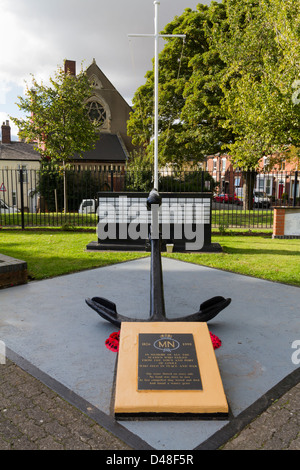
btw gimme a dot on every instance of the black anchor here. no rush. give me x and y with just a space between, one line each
107 309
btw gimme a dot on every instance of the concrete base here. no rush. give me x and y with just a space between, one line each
49 326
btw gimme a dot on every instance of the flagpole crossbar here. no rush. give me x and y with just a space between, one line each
159 35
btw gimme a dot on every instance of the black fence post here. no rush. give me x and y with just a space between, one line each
295 188
202 181
22 199
111 180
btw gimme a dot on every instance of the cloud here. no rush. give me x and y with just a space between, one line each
37 35
5 88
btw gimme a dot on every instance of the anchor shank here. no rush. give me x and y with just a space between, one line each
157 303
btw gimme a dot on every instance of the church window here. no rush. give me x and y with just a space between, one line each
97 112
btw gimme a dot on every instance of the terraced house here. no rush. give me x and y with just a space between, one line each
275 177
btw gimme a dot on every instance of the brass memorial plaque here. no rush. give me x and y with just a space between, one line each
168 362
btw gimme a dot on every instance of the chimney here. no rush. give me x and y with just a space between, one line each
5 128
70 67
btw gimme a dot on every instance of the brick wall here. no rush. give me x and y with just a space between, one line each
278 223
286 222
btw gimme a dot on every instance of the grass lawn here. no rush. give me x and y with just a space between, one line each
259 256
52 253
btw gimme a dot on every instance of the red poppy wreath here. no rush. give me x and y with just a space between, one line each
112 342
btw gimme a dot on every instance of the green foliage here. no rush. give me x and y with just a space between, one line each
202 113
187 181
139 177
56 116
81 185
50 180
139 172
259 42
68 227
188 94
233 87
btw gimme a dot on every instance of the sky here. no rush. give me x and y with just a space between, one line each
36 36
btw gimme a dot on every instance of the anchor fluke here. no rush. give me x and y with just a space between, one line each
107 310
208 310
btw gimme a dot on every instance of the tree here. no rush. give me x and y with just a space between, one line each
56 117
189 97
284 16
139 172
237 91
202 112
260 46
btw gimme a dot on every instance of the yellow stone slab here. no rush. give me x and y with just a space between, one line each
210 401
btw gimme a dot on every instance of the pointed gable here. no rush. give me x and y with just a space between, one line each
108 106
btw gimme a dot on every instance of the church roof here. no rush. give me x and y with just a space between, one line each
109 148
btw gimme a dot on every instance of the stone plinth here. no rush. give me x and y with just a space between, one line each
12 271
168 369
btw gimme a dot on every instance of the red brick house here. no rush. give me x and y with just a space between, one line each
276 176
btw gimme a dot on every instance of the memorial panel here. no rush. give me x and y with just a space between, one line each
168 362
184 221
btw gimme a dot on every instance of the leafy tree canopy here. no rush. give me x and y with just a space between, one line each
188 111
56 116
234 86
260 46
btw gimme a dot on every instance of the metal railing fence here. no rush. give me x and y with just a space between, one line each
40 198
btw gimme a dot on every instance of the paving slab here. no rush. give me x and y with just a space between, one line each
48 324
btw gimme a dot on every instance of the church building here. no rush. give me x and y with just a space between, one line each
111 112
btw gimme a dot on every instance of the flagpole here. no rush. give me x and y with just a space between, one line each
156 36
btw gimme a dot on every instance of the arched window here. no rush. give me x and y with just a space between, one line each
97 112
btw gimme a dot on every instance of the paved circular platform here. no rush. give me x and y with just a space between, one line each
50 332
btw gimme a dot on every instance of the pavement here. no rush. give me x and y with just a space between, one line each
57 379
34 417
